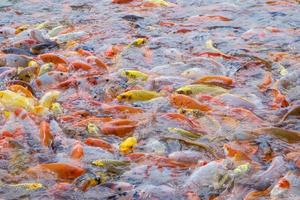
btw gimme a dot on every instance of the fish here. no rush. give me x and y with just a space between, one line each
16 51
183 101
61 170
162 81
185 133
193 143
121 1
62 38
119 186
46 25
21 89
77 151
46 136
97 142
132 18
88 180
38 36
120 109
181 118
118 127
29 73
266 83
240 152
15 100
138 95
7 32
13 60
134 74
160 3
191 112
215 54
242 169
56 30
186 156
49 98
127 145
289 136
98 62
29 186
49 79
56 108
137 42
46 68
201 88
204 177
42 47
52 58
210 45
195 73
215 80
202 18
92 129
80 65
110 163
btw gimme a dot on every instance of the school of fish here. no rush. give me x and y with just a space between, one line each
150 99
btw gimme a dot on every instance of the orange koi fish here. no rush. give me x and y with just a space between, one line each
183 101
61 170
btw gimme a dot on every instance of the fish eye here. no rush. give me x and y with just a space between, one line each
189 92
126 72
123 97
124 193
107 80
98 179
61 74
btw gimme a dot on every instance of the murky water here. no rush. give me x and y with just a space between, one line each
235 137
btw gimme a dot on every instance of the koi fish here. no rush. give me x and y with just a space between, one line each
61 170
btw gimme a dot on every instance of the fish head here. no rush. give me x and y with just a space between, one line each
74 172
124 97
119 186
127 145
184 90
87 181
229 151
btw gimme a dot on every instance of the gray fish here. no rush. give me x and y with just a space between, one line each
13 60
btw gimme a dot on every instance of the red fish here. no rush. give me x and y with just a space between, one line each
61 170
53 58
223 80
80 65
183 101
215 54
96 142
45 134
77 151
119 127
